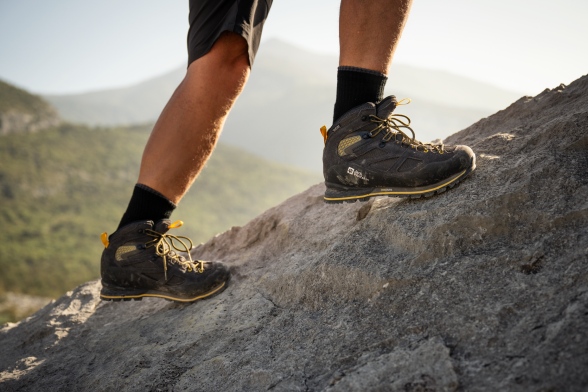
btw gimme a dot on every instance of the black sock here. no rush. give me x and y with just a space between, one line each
356 86
146 204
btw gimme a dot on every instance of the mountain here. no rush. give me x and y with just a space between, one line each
484 287
136 104
59 189
290 95
21 111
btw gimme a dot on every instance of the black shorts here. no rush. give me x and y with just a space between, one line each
209 18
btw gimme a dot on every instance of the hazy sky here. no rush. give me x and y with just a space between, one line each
62 46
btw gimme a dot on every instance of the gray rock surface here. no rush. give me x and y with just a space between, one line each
20 305
482 288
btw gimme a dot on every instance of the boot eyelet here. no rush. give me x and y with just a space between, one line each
365 135
382 144
364 118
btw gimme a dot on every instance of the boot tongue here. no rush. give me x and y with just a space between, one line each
386 106
162 226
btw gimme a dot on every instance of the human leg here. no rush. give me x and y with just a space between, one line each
223 39
369 32
369 151
181 142
141 259
187 130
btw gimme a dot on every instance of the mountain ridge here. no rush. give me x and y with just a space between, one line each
291 92
322 69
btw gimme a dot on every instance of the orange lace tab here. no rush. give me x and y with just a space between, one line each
324 133
104 238
404 101
176 224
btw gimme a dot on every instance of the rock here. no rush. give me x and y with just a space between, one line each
484 287
16 306
21 111
17 122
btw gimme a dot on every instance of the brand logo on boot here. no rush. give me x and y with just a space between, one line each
356 173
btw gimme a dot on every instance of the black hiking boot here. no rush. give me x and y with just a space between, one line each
367 153
141 260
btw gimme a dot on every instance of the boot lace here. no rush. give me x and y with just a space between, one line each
393 126
165 244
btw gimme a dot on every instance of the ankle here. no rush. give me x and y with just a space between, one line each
146 204
356 86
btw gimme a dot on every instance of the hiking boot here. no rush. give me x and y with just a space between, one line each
369 151
142 260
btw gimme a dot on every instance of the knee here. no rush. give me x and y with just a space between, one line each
225 66
229 54
232 48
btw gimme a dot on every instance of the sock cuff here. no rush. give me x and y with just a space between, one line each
363 70
356 86
369 82
153 191
146 204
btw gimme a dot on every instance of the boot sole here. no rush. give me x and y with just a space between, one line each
341 194
121 294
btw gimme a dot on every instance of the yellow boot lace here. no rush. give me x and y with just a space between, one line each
393 127
165 244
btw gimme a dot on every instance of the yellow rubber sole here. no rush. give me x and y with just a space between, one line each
138 297
357 195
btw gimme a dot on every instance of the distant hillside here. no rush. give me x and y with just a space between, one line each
291 92
21 111
134 104
59 189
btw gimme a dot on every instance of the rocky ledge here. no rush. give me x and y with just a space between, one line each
21 111
484 288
